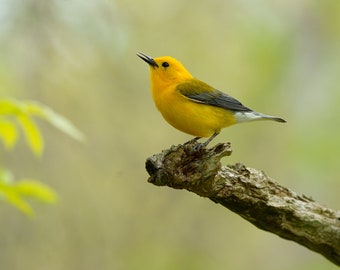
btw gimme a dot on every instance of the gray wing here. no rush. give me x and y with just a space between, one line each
201 92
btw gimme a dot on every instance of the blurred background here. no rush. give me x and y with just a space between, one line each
79 57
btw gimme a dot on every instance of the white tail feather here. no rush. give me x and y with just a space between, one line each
255 116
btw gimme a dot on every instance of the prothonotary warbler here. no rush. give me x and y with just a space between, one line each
191 105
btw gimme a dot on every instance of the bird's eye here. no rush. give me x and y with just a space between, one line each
165 64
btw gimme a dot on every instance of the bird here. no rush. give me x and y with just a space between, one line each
191 105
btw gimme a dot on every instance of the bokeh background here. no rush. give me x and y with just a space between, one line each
79 57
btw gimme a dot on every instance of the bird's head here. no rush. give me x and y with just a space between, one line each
166 70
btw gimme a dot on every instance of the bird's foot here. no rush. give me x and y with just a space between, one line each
193 141
196 146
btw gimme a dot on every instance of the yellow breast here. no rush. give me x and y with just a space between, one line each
190 117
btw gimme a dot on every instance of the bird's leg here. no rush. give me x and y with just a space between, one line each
198 145
210 139
194 140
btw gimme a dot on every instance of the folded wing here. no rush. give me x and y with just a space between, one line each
200 92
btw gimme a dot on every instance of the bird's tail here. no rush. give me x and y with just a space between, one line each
256 116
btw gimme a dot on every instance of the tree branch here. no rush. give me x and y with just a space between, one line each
249 193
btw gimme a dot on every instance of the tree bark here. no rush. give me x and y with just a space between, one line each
250 193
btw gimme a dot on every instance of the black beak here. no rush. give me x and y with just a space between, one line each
147 59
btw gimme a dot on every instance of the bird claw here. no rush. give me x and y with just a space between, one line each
197 146
193 141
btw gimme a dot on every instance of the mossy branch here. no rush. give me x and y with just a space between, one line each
250 193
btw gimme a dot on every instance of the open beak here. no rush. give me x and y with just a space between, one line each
147 59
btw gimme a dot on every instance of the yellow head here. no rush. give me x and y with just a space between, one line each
165 70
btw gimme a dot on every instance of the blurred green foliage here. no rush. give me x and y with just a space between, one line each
23 113
16 192
12 113
277 57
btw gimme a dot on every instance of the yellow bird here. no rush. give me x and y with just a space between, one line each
192 106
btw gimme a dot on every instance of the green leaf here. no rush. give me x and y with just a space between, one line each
19 203
58 121
34 189
11 196
10 107
8 133
32 134
16 193
23 112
